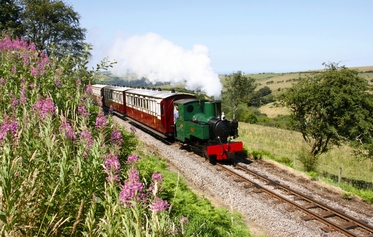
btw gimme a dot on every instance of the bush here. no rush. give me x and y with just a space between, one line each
309 161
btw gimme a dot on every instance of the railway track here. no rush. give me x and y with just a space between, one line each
332 220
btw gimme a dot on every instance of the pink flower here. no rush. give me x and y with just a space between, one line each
34 71
112 167
116 137
132 159
44 107
14 101
132 188
157 177
183 219
159 205
86 136
89 89
83 111
66 127
8 126
57 83
101 120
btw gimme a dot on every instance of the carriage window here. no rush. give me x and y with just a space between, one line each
162 109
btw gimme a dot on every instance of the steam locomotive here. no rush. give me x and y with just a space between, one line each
199 123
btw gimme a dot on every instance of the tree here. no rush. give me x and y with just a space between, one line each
261 97
239 87
332 107
10 21
50 23
265 91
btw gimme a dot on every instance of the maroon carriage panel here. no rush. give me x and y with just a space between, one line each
115 99
154 109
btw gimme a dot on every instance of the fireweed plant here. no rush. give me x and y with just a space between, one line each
65 168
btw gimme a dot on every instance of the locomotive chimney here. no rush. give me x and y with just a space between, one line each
218 109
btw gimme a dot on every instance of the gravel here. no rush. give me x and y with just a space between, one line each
263 215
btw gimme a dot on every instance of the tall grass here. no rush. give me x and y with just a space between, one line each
65 168
60 172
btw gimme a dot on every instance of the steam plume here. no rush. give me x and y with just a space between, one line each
159 60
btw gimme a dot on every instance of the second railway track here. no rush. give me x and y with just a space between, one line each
332 219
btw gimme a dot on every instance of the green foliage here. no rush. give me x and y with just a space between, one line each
249 118
203 218
10 21
49 24
332 107
363 192
265 91
261 97
257 155
239 87
314 175
285 160
308 160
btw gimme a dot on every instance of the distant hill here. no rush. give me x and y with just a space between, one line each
278 81
275 81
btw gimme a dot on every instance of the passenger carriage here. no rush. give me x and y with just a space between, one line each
153 109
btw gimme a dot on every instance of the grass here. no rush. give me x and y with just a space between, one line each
271 110
283 145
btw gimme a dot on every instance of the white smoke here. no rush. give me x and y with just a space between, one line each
159 60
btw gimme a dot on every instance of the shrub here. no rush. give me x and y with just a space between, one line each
309 161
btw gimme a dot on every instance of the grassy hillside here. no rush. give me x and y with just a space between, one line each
278 81
285 146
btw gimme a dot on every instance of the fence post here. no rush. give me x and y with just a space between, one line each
340 175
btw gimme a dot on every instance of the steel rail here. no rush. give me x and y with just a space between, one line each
351 223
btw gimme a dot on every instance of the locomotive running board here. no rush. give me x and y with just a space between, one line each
146 127
224 151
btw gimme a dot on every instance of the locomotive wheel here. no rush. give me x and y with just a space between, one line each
211 159
207 157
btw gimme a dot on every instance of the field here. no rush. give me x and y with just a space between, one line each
272 110
278 81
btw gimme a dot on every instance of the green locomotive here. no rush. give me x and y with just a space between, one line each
200 125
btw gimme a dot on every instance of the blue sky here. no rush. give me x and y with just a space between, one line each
247 35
